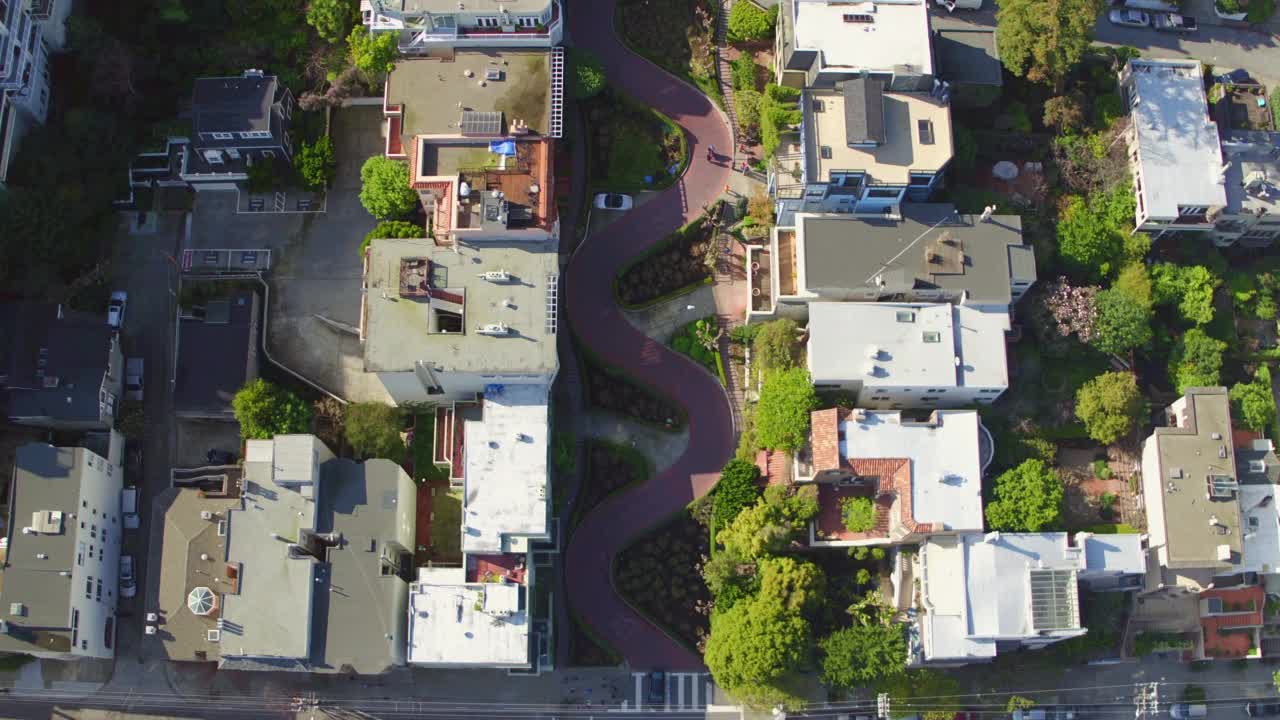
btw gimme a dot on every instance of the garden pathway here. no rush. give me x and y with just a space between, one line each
600 325
724 74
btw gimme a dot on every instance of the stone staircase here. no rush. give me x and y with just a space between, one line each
734 379
725 74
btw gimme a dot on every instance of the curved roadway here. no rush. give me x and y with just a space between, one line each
600 325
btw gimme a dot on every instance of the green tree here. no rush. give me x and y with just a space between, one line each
1017 702
771 524
373 54
1110 405
856 656
391 229
858 514
588 74
332 19
1093 232
748 22
735 491
265 410
373 429
793 585
1254 403
782 414
1044 39
779 110
385 190
1027 498
1122 323
1065 112
941 693
1191 288
262 175
751 647
316 163
774 346
1196 360
1134 282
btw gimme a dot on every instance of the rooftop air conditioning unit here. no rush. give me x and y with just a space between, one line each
213 635
150 630
206 515
494 329
493 73
495 275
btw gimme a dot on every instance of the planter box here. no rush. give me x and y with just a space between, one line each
1236 17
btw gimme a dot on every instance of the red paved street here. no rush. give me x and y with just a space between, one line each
599 324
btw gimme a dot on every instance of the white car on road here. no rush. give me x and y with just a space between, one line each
115 309
1129 18
613 201
128 586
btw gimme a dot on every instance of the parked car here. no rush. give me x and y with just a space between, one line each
1263 708
613 201
1129 18
657 688
133 379
128 586
1238 76
953 5
1188 711
1173 22
129 507
115 308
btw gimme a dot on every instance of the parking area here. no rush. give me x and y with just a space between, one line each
315 281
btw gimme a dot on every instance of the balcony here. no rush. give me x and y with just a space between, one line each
759 279
787 262
540 35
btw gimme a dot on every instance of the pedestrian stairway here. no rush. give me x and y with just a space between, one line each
725 74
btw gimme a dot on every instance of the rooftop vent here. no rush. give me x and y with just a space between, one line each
1224 553
494 329
206 515
493 73
17 609
1221 486
495 276
213 635
150 630
1175 473
1257 466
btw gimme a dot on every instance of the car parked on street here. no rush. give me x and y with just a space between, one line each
128 586
115 308
133 379
1188 711
1263 708
1129 18
129 507
614 201
1173 22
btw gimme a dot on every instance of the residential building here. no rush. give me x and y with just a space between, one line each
1192 496
477 133
968 56
236 121
304 566
930 254
923 475
820 43
982 594
479 615
59 370
1188 175
29 31
426 26
60 557
908 355
217 354
1258 471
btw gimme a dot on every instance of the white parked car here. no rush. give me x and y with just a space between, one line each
115 308
613 201
1129 18
128 586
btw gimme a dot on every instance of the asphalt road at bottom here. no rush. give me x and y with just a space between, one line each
1223 47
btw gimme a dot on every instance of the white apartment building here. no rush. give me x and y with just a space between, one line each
29 31
1187 176
61 553
429 25
909 355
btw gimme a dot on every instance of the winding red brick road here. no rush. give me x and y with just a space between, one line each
600 325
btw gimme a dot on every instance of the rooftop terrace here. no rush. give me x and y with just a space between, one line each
914 134
866 35
1253 177
433 93
505 492
455 623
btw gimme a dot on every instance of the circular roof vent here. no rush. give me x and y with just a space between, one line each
201 601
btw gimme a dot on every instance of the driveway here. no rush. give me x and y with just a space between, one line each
599 324
316 265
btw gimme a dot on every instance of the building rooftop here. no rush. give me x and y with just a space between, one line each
1178 149
908 344
53 361
942 489
1253 176
968 56
963 253
459 623
217 355
460 327
473 6
505 492
233 104
911 132
1202 527
866 35
485 186
271 615
193 554
1121 553
435 94
1261 519
362 593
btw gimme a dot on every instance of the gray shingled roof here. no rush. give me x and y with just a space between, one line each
232 104
863 111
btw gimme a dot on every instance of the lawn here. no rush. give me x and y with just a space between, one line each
651 28
422 445
631 142
446 526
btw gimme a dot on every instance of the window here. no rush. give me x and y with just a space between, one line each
932 336
905 316
921 179
223 136
925 129
858 18
256 135
825 152
819 106
268 153
88 588
528 21
487 21
443 22
884 193
213 157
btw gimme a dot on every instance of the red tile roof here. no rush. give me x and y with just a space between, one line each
824 439
1232 634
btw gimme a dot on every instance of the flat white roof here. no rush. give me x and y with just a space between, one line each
1179 153
505 492
945 623
270 617
914 345
946 477
1261 525
898 34
1115 553
461 624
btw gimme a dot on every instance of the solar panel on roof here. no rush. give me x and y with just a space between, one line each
481 123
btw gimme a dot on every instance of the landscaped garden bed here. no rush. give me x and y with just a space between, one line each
658 575
610 467
699 340
586 651
676 35
632 146
676 265
611 390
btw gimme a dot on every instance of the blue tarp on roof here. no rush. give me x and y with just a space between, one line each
502 147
